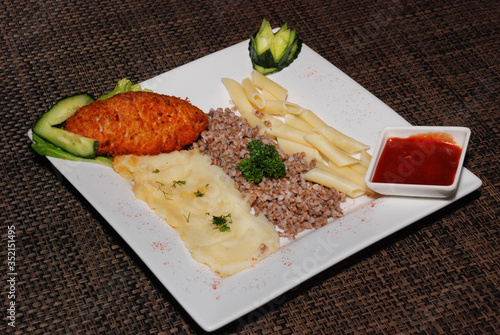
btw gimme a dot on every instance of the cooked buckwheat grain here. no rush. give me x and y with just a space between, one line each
292 203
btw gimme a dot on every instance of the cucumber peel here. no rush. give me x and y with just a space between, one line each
271 52
46 127
45 148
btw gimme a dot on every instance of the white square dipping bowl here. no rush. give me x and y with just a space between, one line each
460 137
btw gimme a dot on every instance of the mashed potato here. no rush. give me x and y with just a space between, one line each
190 194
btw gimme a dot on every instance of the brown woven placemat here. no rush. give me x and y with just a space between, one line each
434 63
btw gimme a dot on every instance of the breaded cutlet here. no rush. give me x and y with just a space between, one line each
140 123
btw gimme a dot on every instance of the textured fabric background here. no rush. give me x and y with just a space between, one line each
435 63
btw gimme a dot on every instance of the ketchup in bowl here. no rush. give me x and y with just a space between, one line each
422 159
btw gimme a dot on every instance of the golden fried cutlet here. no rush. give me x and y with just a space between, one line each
140 123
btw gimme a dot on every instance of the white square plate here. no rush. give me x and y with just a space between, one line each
212 302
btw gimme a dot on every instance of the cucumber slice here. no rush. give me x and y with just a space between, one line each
280 42
45 148
264 37
75 144
271 52
265 70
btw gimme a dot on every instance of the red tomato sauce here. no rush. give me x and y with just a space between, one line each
424 159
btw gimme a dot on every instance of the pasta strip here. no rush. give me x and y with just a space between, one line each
346 172
341 140
278 107
252 94
292 108
298 123
329 179
241 101
311 118
360 168
269 85
267 96
365 158
274 107
333 153
290 147
279 129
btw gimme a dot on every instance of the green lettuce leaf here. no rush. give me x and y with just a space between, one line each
124 85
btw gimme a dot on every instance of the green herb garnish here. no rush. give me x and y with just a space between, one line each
165 193
200 194
264 160
221 222
178 182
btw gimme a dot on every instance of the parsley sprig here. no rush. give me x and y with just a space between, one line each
165 193
264 160
176 183
221 222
